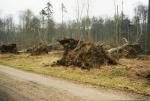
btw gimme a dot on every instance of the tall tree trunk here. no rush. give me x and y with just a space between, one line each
148 32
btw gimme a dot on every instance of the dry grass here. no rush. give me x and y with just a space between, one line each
108 76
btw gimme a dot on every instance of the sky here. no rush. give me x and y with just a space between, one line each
104 8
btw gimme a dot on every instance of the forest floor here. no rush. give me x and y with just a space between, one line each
120 77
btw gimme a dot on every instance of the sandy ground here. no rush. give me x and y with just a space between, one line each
17 85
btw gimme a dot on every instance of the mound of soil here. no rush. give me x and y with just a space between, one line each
84 55
138 71
11 48
131 51
38 49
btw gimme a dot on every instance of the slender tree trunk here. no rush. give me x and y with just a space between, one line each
118 34
148 32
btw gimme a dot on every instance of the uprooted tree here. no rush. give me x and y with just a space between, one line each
42 48
38 49
89 55
10 48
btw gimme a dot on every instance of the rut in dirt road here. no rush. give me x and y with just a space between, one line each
86 92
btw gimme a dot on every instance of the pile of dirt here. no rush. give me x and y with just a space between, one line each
84 55
10 48
138 71
131 51
143 57
38 49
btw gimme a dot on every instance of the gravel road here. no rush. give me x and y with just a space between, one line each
17 85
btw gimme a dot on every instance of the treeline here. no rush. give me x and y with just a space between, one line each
33 29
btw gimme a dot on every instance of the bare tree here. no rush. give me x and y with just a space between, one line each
79 13
142 14
47 12
64 10
148 32
116 18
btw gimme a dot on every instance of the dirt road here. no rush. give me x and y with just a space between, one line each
17 85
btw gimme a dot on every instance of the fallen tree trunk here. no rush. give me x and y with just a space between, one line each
120 47
117 49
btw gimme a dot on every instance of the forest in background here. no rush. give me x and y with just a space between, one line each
33 29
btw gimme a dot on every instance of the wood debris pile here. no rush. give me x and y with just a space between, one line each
38 49
10 48
84 55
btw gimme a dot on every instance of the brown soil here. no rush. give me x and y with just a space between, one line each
137 68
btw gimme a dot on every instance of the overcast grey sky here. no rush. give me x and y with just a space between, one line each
104 8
